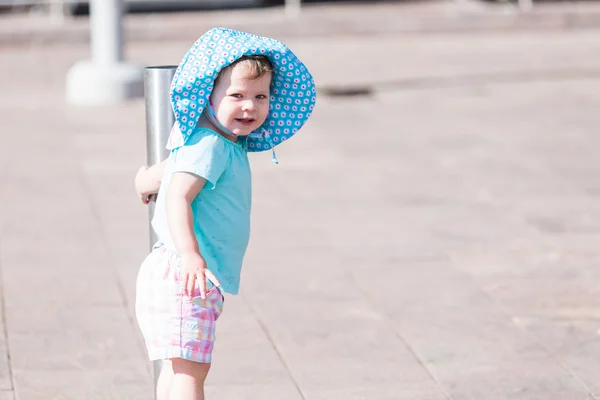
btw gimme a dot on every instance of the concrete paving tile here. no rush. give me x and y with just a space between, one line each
245 362
557 294
67 253
244 355
270 391
76 280
339 352
575 343
74 350
463 338
60 351
6 383
90 290
555 279
92 384
127 274
67 223
7 395
273 392
379 391
327 335
487 262
74 338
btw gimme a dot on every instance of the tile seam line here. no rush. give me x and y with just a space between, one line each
267 333
401 338
5 331
106 246
544 168
539 343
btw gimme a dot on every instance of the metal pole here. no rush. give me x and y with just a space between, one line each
159 121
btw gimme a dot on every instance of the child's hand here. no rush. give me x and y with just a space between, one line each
146 184
194 269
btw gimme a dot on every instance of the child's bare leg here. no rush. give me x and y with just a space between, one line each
163 386
188 380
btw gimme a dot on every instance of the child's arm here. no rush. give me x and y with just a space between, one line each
183 188
147 181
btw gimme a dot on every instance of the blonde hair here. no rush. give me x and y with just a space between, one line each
256 66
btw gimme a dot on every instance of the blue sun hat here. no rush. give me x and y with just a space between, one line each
293 93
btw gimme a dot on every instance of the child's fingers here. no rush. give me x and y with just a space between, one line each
147 198
190 284
212 278
184 283
202 285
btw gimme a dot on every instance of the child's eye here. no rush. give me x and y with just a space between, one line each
236 95
261 97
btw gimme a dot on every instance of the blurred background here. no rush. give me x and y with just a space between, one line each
76 7
431 234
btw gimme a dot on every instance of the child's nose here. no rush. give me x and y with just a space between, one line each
248 105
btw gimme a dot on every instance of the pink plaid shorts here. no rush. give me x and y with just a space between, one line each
174 325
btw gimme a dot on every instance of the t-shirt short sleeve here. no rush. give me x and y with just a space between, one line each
204 154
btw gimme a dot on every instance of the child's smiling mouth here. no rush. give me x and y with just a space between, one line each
245 121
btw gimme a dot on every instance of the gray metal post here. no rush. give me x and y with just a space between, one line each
159 121
106 78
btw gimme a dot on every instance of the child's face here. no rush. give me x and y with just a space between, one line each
241 104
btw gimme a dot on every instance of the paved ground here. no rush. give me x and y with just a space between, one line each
437 240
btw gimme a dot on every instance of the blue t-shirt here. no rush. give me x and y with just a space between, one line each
222 208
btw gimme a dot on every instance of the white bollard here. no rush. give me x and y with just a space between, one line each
106 22
106 79
57 11
293 8
525 5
